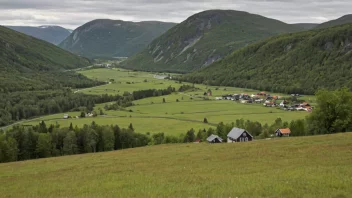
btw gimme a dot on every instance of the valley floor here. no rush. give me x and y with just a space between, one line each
318 166
174 118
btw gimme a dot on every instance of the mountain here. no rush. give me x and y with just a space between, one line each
291 63
306 26
27 63
204 38
340 21
51 34
105 38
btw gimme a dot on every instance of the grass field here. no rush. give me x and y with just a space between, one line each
152 115
318 166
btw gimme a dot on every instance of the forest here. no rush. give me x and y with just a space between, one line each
292 63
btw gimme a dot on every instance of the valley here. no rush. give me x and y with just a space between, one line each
225 103
172 117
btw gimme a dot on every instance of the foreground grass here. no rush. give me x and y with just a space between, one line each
317 166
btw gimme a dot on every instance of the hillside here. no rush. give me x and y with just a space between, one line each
204 38
286 167
105 38
27 63
340 21
291 63
51 34
306 26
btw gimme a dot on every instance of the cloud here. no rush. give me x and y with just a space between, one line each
73 13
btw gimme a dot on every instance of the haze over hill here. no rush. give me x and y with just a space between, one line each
292 63
104 38
51 34
204 38
306 26
27 63
340 21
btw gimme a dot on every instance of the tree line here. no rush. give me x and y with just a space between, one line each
16 106
126 100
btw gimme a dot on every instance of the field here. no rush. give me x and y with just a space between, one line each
152 115
318 166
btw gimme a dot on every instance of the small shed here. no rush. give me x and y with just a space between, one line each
239 135
214 139
283 132
66 116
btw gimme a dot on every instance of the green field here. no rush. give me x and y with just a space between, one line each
318 166
152 115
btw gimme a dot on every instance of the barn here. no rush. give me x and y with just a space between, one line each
239 135
214 139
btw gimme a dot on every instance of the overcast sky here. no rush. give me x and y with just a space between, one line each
73 13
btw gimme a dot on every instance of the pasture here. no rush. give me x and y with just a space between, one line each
317 166
171 117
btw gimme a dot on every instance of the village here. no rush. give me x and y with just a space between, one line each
292 104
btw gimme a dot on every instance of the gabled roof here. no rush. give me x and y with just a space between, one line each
285 131
235 133
213 137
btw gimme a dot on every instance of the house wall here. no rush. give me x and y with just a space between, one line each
244 136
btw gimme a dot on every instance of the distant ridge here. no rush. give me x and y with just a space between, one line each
204 38
105 38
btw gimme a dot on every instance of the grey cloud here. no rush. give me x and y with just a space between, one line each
72 13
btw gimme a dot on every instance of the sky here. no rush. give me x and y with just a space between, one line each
74 13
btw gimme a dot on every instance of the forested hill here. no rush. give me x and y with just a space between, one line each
104 38
27 63
292 63
204 38
51 34
340 21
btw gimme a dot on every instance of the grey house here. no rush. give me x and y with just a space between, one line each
239 135
214 139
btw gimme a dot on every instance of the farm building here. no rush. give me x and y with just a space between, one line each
214 139
66 116
239 135
283 132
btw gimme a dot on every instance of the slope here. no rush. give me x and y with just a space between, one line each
306 26
291 63
51 34
291 167
27 63
204 38
340 21
105 38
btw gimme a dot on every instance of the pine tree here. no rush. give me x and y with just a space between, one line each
131 127
205 120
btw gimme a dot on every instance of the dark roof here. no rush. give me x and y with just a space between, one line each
213 137
235 133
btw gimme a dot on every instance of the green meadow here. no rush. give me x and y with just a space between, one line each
317 166
171 117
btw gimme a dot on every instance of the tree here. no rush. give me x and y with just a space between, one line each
70 144
108 138
83 115
190 136
333 112
131 127
205 120
177 100
71 127
42 127
164 100
44 145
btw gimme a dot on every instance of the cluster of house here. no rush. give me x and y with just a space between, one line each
241 135
267 100
67 116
